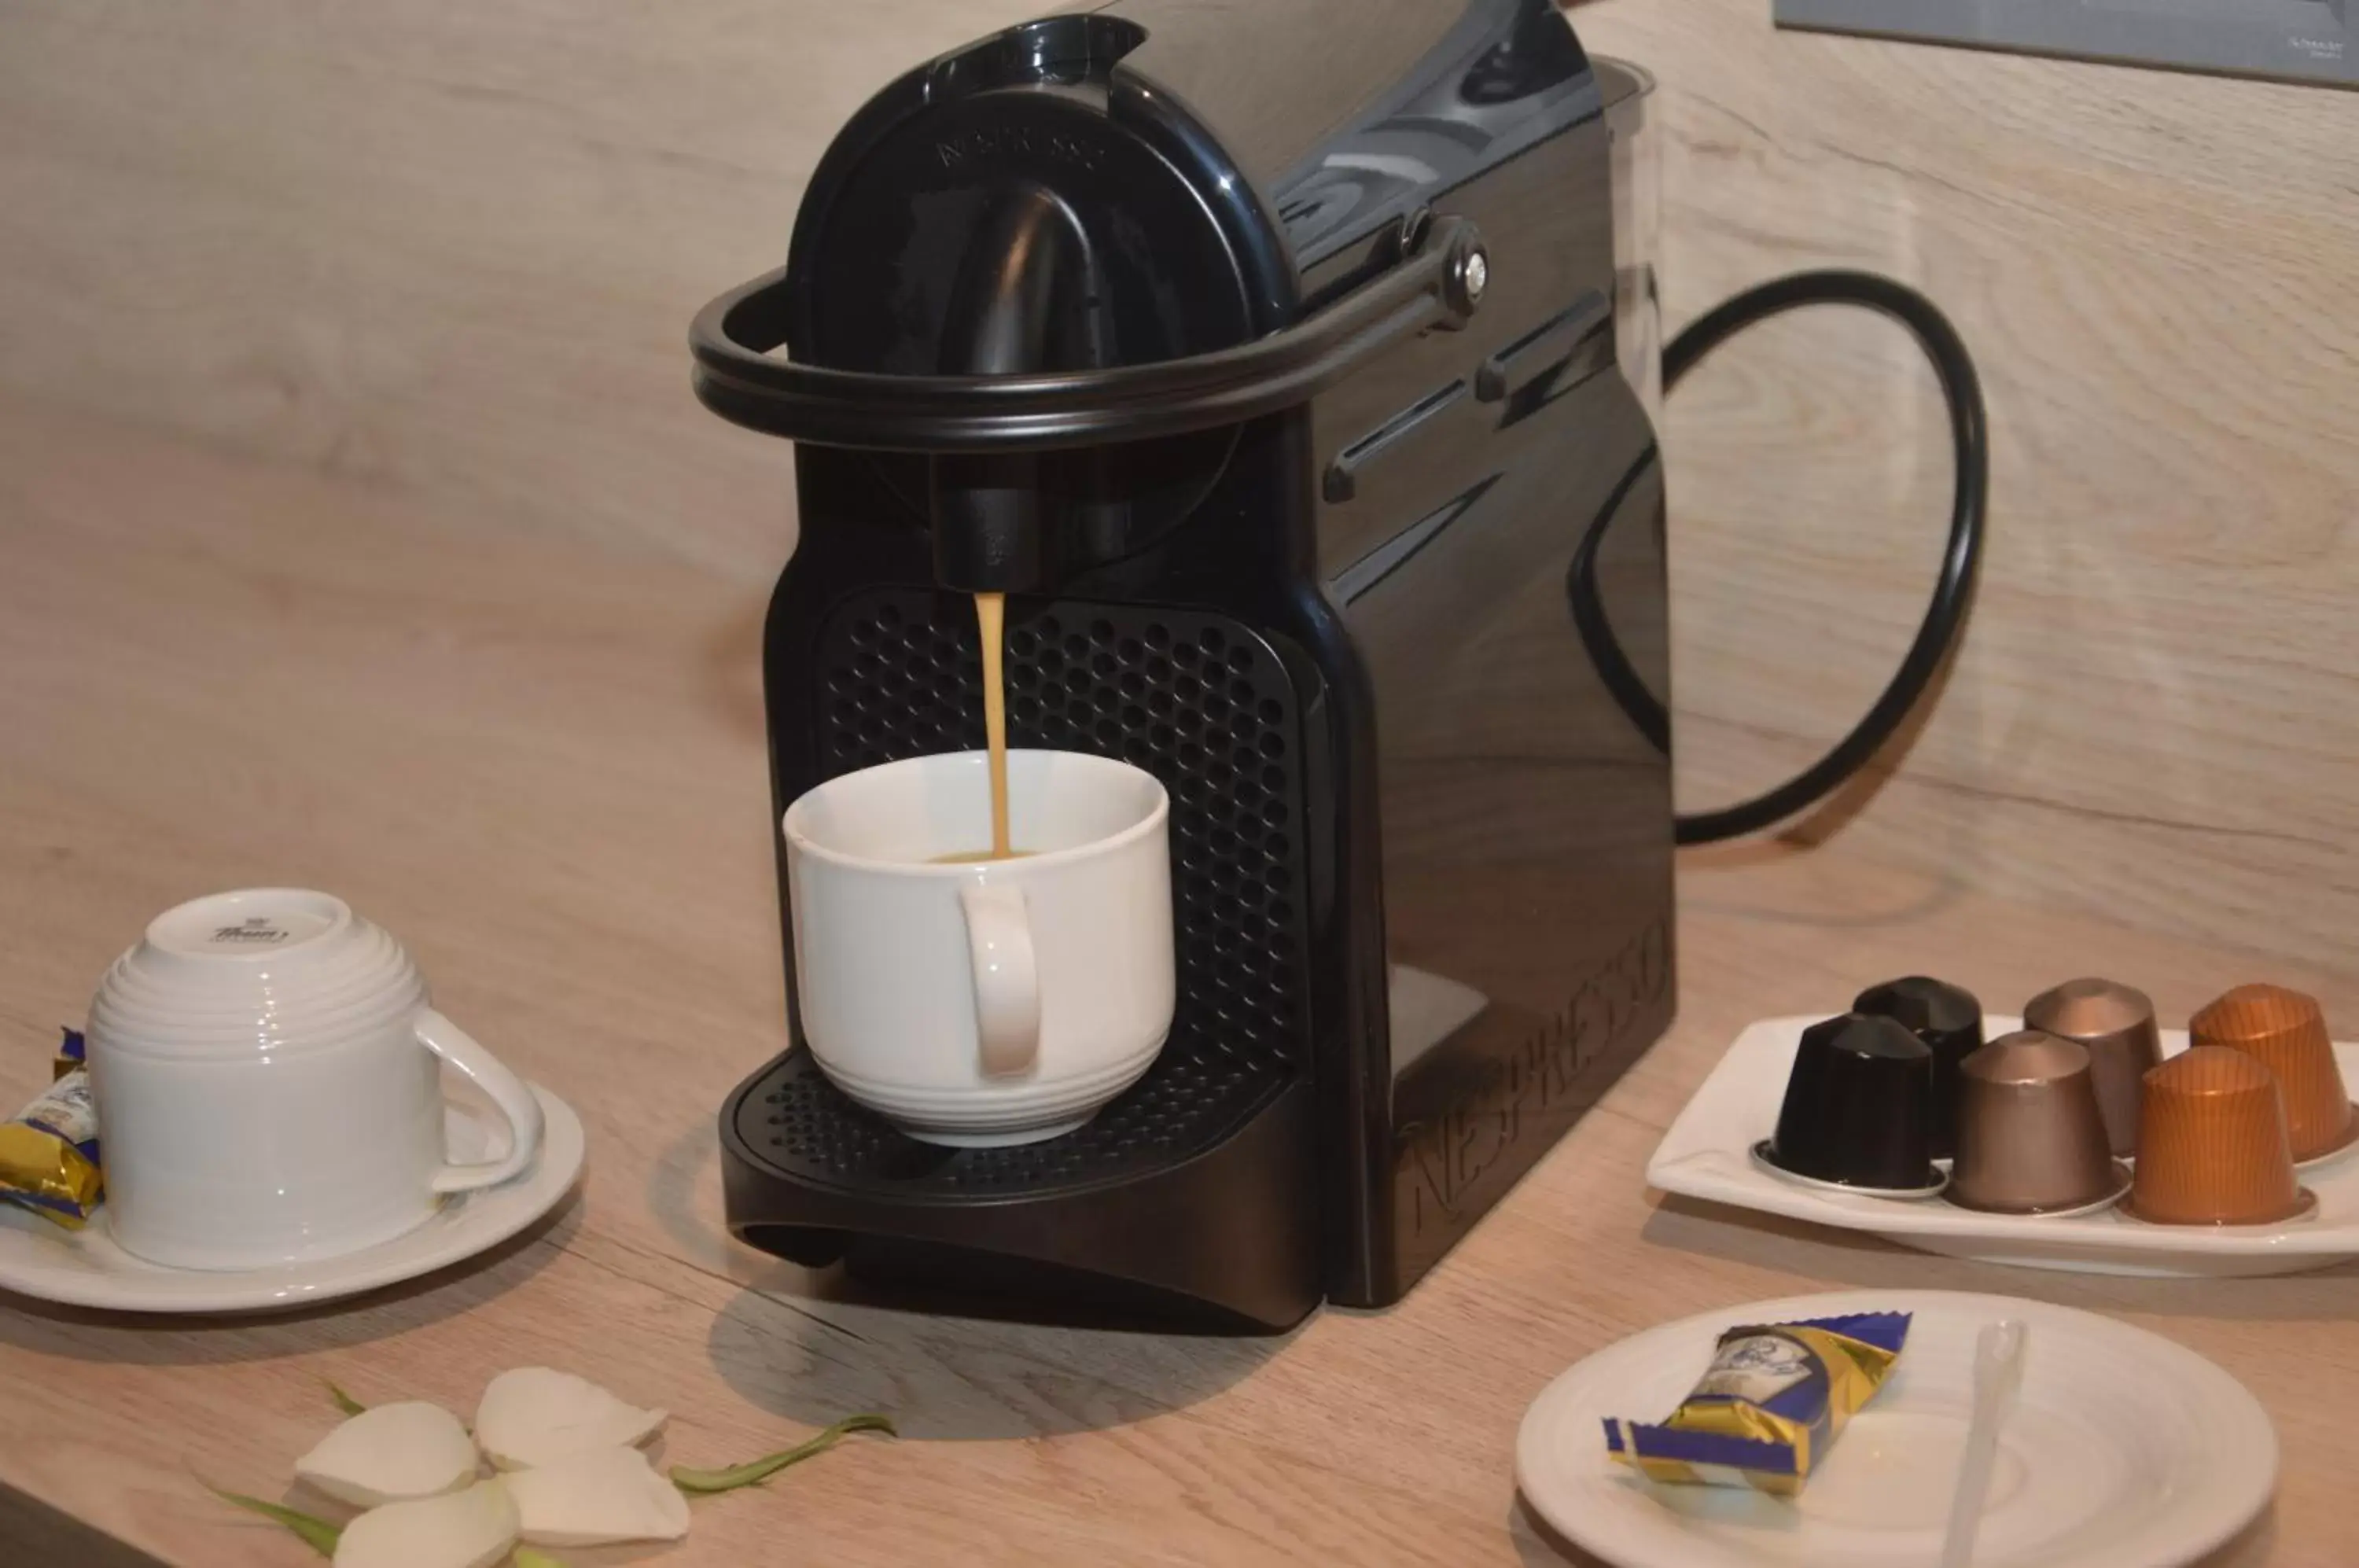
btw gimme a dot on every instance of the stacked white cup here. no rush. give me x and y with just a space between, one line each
267 1072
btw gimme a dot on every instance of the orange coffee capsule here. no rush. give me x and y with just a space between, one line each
2287 1032
2212 1144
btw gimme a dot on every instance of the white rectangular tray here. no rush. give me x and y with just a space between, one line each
1707 1154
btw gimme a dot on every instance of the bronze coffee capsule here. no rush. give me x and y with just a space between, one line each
2286 1032
2115 1023
1950 1021
2030 1139
2212 1144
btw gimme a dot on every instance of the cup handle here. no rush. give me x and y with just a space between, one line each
1006 977
509 1093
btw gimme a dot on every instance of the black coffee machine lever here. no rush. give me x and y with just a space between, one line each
1439 281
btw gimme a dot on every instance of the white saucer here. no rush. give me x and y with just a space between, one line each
86 1268
2125 1450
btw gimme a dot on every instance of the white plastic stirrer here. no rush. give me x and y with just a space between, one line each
1998 1375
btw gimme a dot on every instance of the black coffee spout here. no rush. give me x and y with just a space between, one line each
1026 300
991 523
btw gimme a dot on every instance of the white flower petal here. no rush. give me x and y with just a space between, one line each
472 1529
590 1499
534 1416
390 1454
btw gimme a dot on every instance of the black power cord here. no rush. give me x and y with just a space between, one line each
1952 592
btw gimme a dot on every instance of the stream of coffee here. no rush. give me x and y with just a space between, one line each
991 616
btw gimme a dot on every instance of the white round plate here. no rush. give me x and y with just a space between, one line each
2124 1451
86 1268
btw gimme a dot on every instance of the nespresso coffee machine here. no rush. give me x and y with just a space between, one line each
1264 355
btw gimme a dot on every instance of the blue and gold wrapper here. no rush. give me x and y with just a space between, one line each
1772 1399
49 1151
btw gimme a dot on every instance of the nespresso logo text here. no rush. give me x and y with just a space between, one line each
1018 141
1451 1153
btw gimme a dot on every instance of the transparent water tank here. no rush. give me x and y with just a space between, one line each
1632 120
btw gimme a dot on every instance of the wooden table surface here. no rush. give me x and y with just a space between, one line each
542 765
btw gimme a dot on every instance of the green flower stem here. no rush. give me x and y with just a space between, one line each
707 1483
317 1534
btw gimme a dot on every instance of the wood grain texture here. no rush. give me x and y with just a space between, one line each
447 253
542 765
439 249
356 529
2158 708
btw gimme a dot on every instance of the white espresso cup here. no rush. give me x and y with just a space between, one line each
989 1002
267 1074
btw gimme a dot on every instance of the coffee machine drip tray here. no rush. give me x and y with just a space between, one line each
1191 1200
796 1123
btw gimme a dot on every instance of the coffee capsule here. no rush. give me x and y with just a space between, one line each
2030 1137
2115 1023
2212 1144
1950 1021
1858 1108
2287 1033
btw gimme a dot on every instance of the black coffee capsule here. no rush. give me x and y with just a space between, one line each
1950 1021
1858 1107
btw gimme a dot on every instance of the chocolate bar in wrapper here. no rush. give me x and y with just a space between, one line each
49 1151
1774 1398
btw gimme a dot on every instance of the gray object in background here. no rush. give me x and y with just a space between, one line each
2300 41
